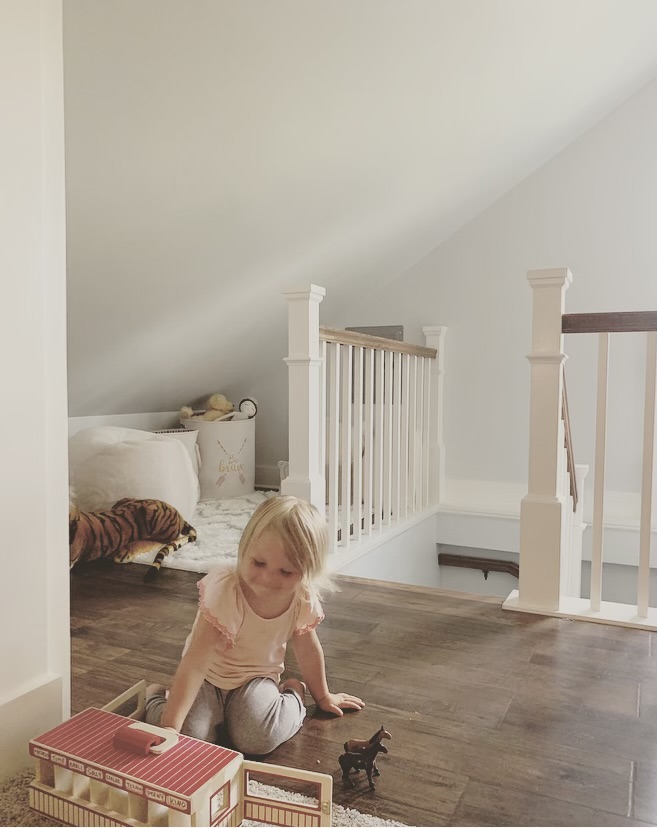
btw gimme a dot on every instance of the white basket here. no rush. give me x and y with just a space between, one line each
189 438
227 452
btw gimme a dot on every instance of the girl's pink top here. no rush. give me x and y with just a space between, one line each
248 646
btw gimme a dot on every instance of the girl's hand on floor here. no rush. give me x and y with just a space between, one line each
336 702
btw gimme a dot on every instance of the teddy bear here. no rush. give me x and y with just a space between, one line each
217 408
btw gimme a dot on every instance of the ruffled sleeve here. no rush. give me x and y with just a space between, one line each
309 615
219 602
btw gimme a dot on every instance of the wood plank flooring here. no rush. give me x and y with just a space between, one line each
497 718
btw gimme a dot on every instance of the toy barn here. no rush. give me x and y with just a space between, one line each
100 768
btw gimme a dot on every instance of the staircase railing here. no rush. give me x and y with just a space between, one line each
550 537
365 423
605 324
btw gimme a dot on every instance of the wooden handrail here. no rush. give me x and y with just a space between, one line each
380 343
486 565
609 322
568 443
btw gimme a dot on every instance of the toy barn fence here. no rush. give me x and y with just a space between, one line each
262 808
550 537
365 423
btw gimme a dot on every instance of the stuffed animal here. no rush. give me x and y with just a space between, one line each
247 409
217 408
131 526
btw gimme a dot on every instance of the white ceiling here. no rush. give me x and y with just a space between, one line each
218 151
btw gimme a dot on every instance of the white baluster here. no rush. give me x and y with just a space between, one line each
378 440
435 338
573 586
333 401
599 478
412 436
358 443
369 439
643 586
403 460
323 412
345 439
387 438
396 435
567 518
419 493
426 433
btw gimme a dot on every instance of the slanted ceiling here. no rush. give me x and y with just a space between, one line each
219 151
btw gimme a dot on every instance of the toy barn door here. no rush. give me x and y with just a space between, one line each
265 787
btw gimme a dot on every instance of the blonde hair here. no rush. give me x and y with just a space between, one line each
303 532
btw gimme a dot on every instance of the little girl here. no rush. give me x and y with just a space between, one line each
232 662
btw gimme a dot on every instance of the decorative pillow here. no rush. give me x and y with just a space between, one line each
188 437
107 463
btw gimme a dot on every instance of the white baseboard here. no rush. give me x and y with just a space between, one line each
267 477
622 615
32 711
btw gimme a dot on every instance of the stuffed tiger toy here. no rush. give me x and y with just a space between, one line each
121 532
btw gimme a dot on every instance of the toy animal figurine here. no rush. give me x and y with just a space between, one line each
129 527
360 754
358 745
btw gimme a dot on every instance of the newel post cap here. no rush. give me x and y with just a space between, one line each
550 277
310 292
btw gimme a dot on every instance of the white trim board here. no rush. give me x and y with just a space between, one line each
145 422
501 498
485 514
621 615
34 709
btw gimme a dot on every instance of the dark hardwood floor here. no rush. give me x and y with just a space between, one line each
497 718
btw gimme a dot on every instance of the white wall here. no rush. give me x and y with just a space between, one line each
593 208
220 151
34 589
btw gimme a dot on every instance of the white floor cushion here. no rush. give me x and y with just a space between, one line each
107 463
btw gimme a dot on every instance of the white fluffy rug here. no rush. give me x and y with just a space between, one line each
15 810
219 525
341 816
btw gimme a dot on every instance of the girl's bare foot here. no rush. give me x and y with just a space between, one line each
296 686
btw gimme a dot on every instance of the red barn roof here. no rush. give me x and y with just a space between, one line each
182 769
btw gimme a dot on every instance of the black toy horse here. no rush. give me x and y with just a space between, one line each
360 754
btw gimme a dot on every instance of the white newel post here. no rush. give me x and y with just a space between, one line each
435 338
542 512
306 477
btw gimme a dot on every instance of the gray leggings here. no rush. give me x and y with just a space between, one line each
256 716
